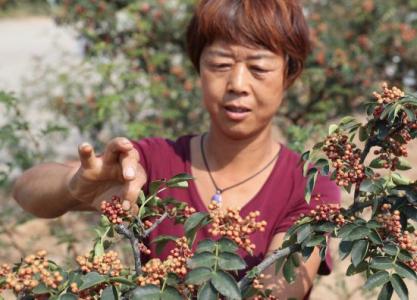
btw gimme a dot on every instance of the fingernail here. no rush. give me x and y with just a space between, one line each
129 173
84 145
126 205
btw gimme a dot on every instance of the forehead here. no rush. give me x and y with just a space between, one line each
232 50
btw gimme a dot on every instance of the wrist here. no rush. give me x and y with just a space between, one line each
71 186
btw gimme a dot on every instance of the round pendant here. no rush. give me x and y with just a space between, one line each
217 197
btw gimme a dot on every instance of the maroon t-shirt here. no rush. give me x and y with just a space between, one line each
279 201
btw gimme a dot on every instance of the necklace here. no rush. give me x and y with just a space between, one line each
217 197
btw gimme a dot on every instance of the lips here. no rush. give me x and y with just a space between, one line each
236 112
236 109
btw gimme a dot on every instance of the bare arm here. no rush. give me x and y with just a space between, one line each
305 274
51 189
43 190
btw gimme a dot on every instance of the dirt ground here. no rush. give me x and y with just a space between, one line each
21 40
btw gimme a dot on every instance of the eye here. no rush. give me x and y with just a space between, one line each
258 69
221 66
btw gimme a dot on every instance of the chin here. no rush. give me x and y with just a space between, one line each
239 133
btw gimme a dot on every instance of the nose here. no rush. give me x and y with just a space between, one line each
238 80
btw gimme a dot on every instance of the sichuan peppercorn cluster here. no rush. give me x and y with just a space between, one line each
230 224
345 158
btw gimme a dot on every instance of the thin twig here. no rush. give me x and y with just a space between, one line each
121 229
359 206
154 225
369 144
277 254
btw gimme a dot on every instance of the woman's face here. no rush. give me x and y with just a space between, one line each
242 87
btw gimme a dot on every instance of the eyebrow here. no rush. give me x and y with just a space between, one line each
230 55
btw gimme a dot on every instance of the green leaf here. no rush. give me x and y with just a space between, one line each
359 233
155 186
68 296
104 221
226 285
195 220
315 240
305 156
359 251
345 230
231 262
91 279
203 259
386 292
110 293
398 179
345 247
390 249
405 271
99 248
278 264
325 227
372 224
295 259
311 182
207 292
410 114
369 186
376 279
193 223
198 276
377 163
289 271
122 280
411 212
227 245
161 242
323 165
173 280
303 233
352 270
171 293
147 292
40 289
403 165
375 238
179 181
381 263
363 133
306 252
333 128
399 286
206 245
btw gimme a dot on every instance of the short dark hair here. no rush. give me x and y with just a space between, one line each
276 25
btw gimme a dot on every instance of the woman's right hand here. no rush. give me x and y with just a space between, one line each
116 172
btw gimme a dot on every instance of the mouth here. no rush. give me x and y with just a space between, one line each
236 109
236 113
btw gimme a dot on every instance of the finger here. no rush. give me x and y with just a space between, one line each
131 189
87 156
129 162
115 147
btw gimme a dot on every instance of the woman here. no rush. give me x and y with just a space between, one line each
247 52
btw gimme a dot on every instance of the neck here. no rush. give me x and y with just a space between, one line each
239 154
